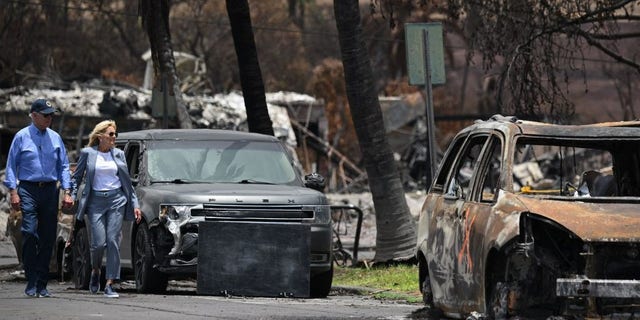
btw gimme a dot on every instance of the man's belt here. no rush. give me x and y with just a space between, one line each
39 184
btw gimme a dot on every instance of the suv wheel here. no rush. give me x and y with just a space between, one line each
321 284
148 278
81 257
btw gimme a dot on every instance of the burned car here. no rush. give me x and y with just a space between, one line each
527 218
185 177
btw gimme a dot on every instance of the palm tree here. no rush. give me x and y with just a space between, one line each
396 236
155 21
253 91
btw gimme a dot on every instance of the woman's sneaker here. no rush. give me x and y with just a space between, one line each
94 285
31 292
44 293
109 292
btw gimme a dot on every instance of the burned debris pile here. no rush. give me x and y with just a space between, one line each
299 120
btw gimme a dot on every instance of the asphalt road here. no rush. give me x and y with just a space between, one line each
180 302
69 303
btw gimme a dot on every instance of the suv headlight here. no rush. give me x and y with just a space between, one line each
174 217
322 215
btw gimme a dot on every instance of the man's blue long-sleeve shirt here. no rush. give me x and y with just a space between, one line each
37 155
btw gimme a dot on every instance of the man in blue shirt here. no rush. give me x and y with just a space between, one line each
37 161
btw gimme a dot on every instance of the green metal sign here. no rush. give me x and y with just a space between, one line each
414 42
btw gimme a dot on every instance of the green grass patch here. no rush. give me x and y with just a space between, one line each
395 282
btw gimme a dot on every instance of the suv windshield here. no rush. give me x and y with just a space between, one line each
219 162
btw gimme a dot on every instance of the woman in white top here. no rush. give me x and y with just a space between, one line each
107 198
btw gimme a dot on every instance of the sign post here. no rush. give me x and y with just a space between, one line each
425 66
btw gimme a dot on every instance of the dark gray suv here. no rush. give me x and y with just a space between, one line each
185 177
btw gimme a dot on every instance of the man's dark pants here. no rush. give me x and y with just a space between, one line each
39 205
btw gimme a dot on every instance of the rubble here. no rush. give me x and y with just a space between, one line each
84 104
221 111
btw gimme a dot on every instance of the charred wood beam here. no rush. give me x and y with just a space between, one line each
325 148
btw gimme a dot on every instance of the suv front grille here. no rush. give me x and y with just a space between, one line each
253 213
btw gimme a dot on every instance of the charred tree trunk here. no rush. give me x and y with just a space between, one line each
396 237
296 12
155 21
253 91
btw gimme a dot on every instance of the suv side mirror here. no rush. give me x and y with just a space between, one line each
314 181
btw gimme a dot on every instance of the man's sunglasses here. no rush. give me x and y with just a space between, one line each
48 115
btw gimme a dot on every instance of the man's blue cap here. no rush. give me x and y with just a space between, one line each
42 106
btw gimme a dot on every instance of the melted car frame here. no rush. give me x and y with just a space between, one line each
528 218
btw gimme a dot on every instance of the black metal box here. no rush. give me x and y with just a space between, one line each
253 259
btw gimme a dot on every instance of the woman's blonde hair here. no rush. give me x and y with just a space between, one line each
99 129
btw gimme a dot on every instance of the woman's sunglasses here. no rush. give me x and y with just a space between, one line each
111 134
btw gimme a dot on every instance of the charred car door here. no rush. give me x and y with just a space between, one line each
447 232
472 224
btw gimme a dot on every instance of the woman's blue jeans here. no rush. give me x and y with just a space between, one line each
105 211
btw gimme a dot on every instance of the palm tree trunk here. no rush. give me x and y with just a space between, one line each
155 20
396 237
253 90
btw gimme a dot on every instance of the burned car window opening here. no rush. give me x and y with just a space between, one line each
447 164
571 169
490 174
459 185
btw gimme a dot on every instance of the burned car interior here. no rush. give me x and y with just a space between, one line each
577 168
531 219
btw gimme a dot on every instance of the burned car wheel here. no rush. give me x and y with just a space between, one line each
148 278
81 257
425 285
497 306
321 284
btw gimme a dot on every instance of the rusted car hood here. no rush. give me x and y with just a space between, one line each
591 220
